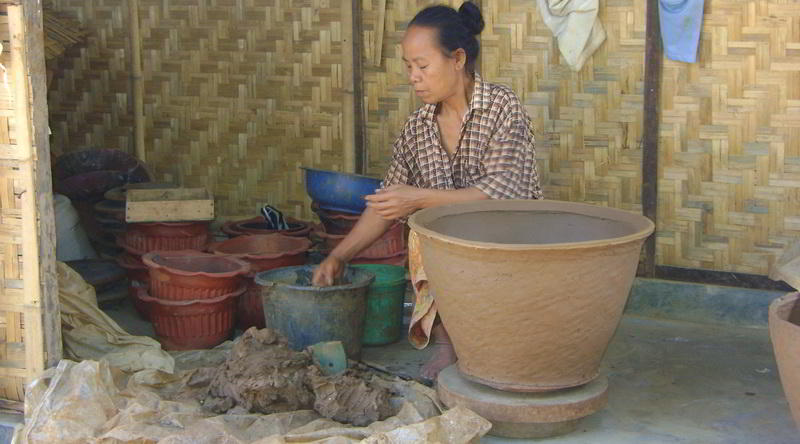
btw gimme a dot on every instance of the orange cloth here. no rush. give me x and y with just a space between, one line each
419 331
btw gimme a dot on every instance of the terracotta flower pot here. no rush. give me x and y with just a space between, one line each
256 225
134 267
530 291
784 331
265 251
192 325
189 275
250 309
389 244
167 236
335 222
135 291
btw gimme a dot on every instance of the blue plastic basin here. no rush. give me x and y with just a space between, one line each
337 191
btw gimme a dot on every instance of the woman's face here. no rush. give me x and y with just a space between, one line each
433 75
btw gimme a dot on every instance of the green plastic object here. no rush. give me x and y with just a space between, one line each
329 356
383 322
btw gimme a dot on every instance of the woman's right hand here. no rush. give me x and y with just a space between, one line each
326 272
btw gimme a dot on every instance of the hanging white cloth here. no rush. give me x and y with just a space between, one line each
576 27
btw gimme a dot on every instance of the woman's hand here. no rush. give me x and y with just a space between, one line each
396 201
326 273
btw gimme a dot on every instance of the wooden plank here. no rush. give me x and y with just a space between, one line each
652 94
169 205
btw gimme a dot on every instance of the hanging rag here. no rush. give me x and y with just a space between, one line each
576 27
274 218
681 22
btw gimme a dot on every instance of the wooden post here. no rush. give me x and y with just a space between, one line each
43 346
380 28
652 93
352 75
137 82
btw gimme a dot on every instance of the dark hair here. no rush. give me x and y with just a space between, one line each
455 29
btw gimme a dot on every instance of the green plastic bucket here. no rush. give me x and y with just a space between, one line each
383 322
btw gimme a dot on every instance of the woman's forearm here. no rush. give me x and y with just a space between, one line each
435 198
366 231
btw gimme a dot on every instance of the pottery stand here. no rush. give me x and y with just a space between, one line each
523 415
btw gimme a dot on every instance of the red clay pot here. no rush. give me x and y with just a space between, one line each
194 324
390 244
134 267
135 290
167 236
188 275
249 309
256 225
335 222
265 251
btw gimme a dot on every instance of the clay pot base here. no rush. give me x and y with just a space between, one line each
523 415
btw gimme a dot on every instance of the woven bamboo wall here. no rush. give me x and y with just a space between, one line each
729 189
238 93
728 165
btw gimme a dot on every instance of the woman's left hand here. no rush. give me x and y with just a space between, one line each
395 201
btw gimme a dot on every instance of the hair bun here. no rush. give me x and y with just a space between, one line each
471 16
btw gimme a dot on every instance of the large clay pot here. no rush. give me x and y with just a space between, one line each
784 331
530 291
191 275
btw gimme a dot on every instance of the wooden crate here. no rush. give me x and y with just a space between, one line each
169 205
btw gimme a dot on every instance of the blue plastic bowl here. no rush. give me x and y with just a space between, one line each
336 191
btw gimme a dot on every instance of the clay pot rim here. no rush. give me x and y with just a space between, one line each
128 261
148 259
643 225
333 214
143 294
233 227
261 280
325 235
171 224
780 308
303 245
130 250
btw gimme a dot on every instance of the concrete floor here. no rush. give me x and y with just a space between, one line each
670 382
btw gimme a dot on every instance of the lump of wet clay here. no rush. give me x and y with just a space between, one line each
261 375
348 397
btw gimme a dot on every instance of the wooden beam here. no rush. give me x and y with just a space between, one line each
137 82
353 121
360 134
42 316
652 93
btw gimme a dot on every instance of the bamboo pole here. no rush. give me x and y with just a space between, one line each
137 81
379 31
348 117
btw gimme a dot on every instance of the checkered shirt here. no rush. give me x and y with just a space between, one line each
495 154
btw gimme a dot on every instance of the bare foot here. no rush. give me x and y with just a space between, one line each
443 356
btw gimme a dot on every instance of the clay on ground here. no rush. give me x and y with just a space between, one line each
262 375
349 397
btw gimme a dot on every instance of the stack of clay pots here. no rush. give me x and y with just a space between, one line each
141 238
257 225
192 296
262 252
389 249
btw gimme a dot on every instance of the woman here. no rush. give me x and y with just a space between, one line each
471 140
